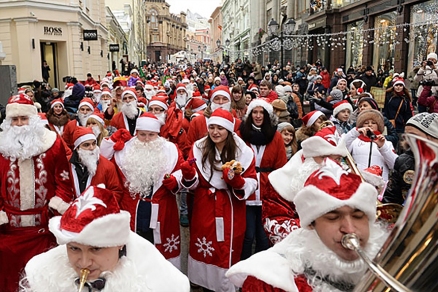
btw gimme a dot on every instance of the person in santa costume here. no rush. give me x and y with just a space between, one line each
96 122
57 116
94 234
34 185
85 109
220 98
129 112
259 131
149 167
88 167
172 120
332 203
182 99
217 226
311 124
279 214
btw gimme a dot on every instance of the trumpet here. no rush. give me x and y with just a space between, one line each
83 278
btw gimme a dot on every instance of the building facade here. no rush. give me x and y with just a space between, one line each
117 37
216 27
70 35
165 32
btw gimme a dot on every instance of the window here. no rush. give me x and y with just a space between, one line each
384 41
354 44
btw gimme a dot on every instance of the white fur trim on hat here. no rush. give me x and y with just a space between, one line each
215 120
259 102
342 107
129 91
148 124
199 108
432 56
312 202
159 103
107 231
97 118
399 81
17 110
87 104
220 92
82 139
313 118
55 103
426 123
318 146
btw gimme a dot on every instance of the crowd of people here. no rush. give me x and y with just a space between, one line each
256 162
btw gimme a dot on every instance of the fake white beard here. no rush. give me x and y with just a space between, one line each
225 106
161 117
104 103
83 118
130 109
22 142
89 159
181 100
144 165
307 250
96 97
303 172
96 130
149 94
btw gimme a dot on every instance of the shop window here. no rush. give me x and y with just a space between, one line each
355 44
384 41
423 32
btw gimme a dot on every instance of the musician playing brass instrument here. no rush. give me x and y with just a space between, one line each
99 252
331 204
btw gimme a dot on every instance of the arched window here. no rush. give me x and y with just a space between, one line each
154 18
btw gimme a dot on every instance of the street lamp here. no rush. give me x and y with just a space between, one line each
227 44
287 27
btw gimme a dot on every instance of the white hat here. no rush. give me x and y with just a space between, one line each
134 71
93 219
425 122
287 88
259 102
340 106
222 118
432 56
148 122
330 188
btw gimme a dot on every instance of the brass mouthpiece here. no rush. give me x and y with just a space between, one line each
83 278
350 241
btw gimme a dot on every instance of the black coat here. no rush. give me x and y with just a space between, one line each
401 179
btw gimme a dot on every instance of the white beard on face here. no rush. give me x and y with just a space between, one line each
161 117
130 109
225 106
22 142
105 103
96 130
96 97
89 159
149 94
144 165
181 100
83 118
306 250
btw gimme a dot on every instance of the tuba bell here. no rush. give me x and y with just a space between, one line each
409 255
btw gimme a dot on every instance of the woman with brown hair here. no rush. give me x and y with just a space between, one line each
57 116
238 102
227 177
398 105
97 123
287 132
311 124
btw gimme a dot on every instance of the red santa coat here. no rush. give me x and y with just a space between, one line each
252 284
268 158
106 174
120 121
198 128
218 219
67 135
164 216
27 189
174 131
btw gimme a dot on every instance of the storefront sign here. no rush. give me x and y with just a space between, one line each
90 35
51 30
114 47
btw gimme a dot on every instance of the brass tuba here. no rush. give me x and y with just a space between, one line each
408 259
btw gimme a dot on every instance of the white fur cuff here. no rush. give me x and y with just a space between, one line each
58 204
3 218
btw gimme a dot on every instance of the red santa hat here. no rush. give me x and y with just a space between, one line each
340 106
148 122
82 134
206 88
57 101
259 102
43 118
197 104
330 188
149 86
181 86
160 101
142 102
310 118
196 94
220 90
398 81
131 91
20 105
93 219
222 118
88 102
373 175
98 116
106 91
325 142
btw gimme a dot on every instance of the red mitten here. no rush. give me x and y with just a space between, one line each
236 181
188 170
120 137
170 183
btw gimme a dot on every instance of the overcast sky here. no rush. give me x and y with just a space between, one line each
202 7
